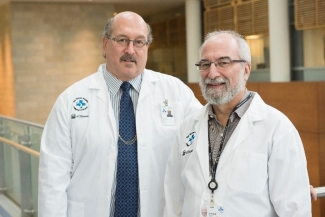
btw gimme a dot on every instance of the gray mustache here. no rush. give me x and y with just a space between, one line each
215 81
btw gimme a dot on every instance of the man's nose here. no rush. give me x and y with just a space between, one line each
213 71
130 48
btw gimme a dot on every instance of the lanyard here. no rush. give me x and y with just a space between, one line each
213 185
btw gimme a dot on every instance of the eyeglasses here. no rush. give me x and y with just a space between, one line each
222 63
125 41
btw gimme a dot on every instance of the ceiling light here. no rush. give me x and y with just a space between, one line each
253 36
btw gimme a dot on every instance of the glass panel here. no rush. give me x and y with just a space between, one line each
11 164
35 136
13 130
259 46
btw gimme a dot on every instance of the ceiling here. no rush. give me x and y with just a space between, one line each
142 7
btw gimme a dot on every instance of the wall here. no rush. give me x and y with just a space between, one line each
53 45
7 96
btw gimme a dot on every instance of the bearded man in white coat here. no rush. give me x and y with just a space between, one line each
80 148
237 156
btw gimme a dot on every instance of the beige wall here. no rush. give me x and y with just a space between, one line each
53 45
7 97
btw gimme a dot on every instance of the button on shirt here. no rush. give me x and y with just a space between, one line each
115 93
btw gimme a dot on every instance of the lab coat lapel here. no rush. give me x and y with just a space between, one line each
201 129
147 84
244 128
242 131
98 82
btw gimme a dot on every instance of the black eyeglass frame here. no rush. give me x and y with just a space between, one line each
127 41
216 63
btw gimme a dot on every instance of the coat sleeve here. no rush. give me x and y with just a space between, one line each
288 177
56 162
173 186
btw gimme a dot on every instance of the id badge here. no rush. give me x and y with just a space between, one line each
211 209
167 115
207 211
216 211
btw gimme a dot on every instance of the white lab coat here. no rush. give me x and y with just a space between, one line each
262 171
79 146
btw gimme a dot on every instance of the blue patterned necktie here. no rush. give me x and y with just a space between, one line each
126 195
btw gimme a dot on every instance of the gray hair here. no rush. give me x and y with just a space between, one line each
108 30
244 50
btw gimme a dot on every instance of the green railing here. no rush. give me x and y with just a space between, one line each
19 158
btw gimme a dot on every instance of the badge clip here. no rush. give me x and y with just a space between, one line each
212 201
165 102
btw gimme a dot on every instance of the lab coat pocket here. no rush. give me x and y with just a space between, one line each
248 172
75 209
177 118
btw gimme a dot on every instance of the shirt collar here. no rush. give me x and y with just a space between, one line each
114 83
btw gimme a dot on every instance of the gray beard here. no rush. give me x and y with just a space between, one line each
220 97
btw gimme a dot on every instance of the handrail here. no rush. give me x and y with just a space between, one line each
20 147
320 191
23 122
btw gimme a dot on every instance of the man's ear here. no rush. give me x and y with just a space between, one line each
247 71
104 40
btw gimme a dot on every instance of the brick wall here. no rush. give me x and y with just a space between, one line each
53 46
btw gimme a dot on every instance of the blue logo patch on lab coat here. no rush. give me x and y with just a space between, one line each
80 104
190 138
